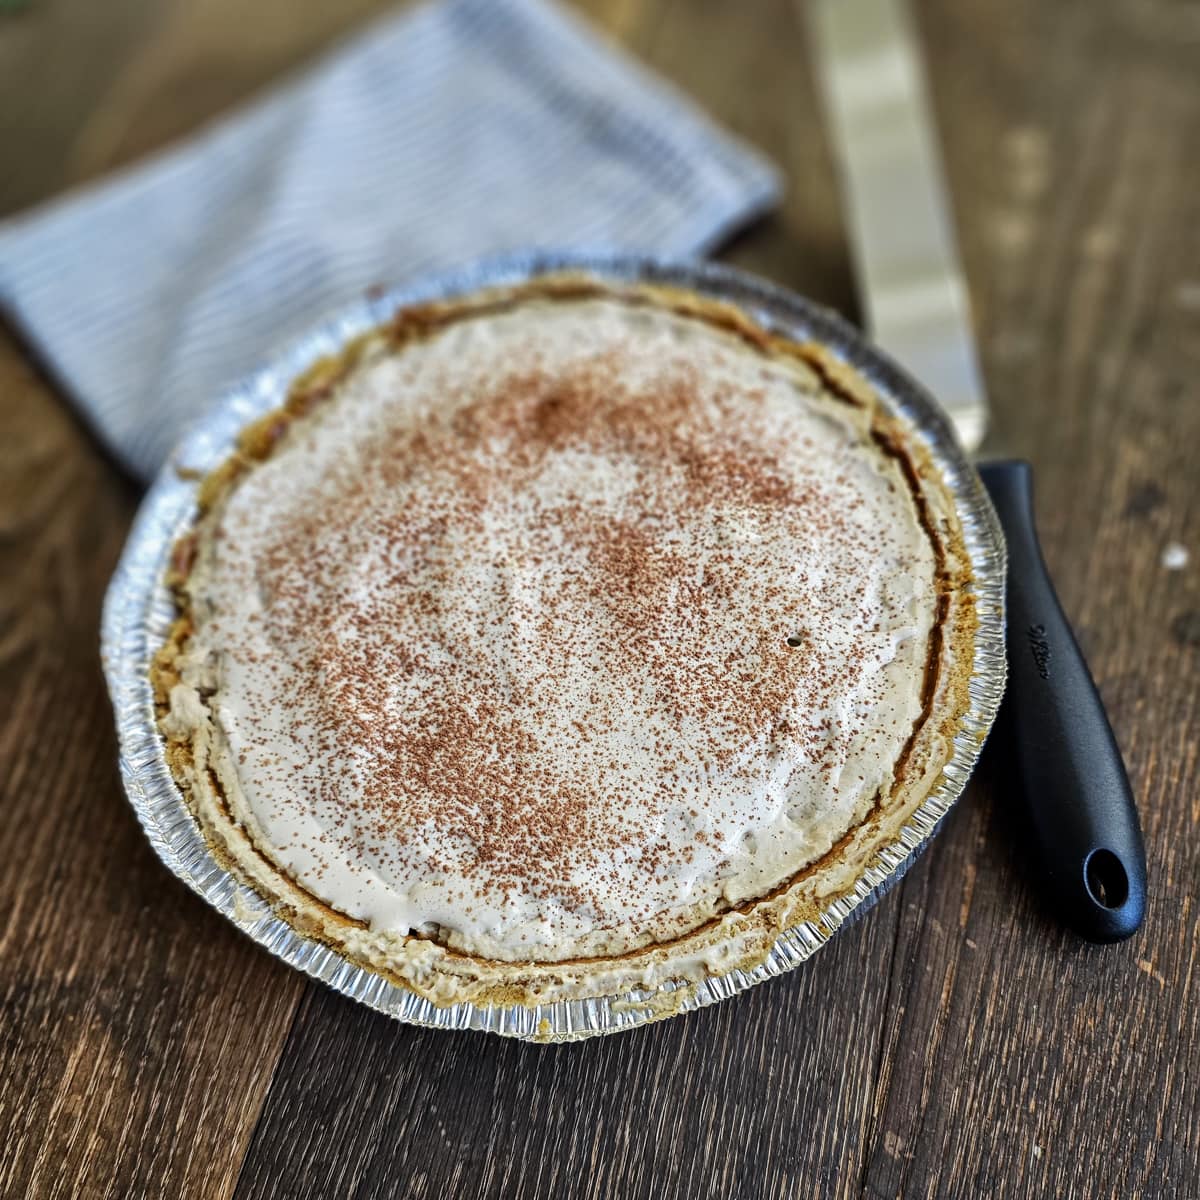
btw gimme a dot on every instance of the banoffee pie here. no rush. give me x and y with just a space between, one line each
564 640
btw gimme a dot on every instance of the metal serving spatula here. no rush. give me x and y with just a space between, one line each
1067 764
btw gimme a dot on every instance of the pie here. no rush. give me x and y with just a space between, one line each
565 640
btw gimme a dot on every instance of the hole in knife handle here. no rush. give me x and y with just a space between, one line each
1106 879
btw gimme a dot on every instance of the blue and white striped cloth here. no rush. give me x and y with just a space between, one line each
454 130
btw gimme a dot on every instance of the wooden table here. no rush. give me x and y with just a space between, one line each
954 1043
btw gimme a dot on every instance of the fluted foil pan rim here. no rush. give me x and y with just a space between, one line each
138 611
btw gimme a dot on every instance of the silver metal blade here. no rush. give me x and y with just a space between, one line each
895 199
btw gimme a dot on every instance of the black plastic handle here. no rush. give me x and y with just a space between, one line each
1068 766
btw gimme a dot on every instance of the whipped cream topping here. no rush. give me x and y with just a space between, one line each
560 631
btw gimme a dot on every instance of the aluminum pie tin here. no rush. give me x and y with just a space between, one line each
138 612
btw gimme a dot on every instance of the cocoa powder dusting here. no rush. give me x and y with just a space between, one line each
491 609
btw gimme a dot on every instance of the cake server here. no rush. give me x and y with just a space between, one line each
1067 765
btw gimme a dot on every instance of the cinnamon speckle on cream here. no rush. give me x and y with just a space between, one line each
563 630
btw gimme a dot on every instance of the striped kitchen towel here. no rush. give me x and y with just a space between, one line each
453 130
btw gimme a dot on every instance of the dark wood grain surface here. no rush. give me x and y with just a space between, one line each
954 1043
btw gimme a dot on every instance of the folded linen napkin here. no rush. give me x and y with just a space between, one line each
451 131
